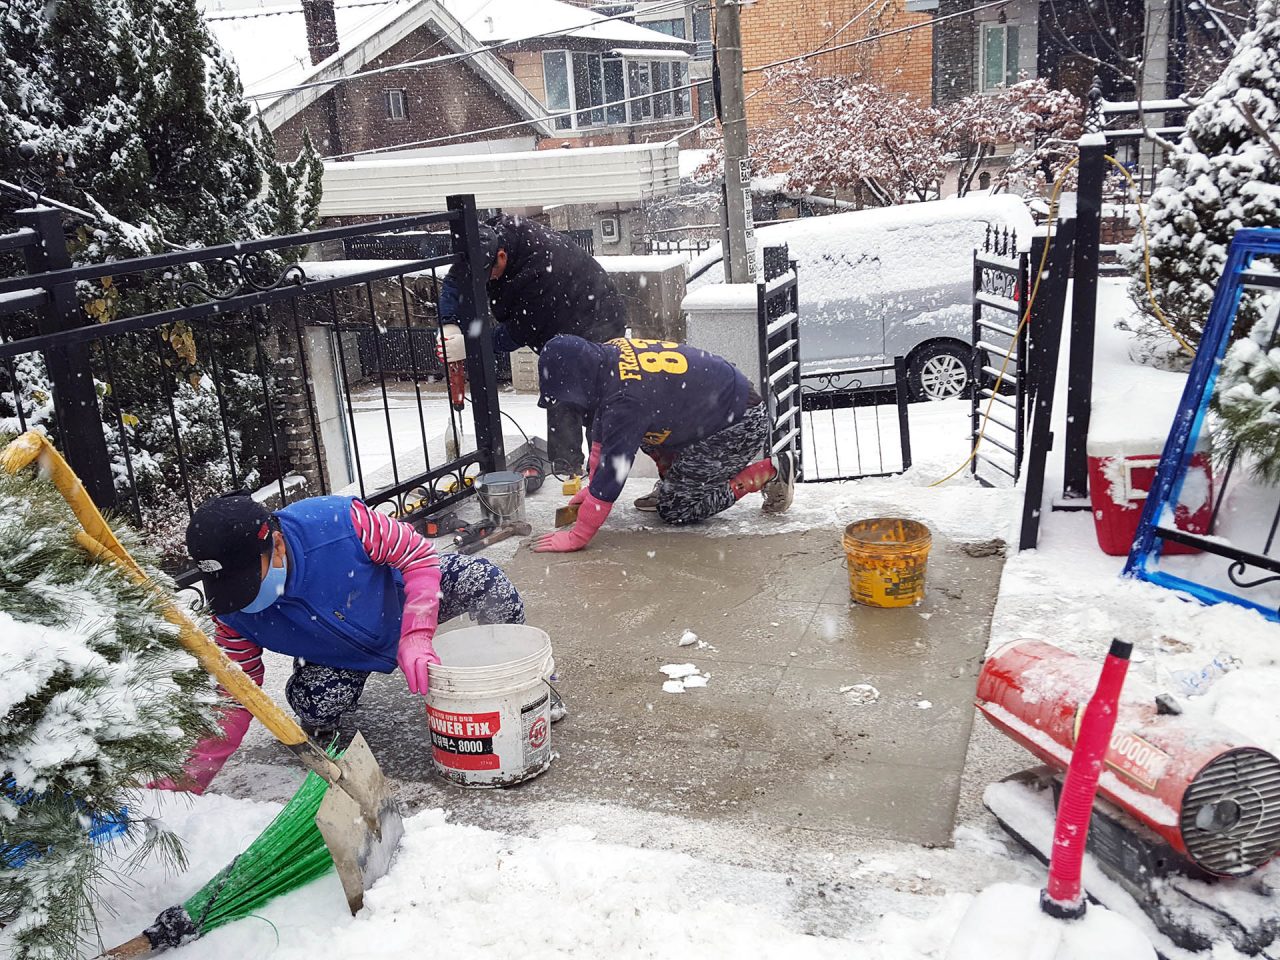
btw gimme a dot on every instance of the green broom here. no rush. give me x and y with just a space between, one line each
289 853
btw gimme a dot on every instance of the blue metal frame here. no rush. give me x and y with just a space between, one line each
1148 545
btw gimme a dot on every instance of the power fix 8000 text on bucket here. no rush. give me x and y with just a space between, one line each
489 705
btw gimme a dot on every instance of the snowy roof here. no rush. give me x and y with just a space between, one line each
491 21
268 41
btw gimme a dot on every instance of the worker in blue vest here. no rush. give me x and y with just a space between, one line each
344 590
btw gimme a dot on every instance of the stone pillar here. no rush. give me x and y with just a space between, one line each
723 318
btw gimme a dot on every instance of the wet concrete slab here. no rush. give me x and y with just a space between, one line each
776 741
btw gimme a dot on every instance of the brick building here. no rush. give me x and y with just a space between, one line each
774 30
286 52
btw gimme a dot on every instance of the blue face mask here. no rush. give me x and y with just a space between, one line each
271 590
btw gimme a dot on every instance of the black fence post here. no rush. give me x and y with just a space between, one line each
1084 302
477 328
75 398
1046 324
904 425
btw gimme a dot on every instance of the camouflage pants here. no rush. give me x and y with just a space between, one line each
696 483
320 695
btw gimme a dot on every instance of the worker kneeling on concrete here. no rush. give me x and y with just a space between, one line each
344 590
693 412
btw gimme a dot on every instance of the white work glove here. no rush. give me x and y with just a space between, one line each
452 345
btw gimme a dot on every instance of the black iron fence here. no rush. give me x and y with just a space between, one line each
169 378
687 245
850 432
778 306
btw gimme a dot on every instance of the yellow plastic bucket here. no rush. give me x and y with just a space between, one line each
887 561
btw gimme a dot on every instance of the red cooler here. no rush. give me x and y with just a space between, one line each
1120 474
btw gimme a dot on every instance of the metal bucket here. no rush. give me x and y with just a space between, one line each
501 496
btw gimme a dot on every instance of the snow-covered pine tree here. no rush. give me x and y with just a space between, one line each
150 112
98 699
1223 174
138 116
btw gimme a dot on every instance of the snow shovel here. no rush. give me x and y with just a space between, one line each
360 820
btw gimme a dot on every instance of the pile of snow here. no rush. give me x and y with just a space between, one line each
1005 922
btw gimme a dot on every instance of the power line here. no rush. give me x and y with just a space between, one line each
290 11
463 55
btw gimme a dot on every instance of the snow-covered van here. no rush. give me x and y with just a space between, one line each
886 282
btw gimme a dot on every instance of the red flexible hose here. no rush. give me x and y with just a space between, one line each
1063 896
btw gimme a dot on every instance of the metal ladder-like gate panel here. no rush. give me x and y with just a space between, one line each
778 303
999 354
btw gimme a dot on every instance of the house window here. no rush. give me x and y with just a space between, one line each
395 105
640 86
555 75
588 88
615 90
683 98
702 33
661 71
706 101
672 28
999 55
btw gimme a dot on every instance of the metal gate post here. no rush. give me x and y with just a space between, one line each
477 328
75 398
1046 324
1084 304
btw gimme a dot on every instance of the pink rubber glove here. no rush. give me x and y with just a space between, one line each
591 517
211 753
416 657
592 462
418 626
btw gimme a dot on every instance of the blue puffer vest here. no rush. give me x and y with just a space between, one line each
338 608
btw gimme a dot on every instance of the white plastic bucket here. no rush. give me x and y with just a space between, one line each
489 705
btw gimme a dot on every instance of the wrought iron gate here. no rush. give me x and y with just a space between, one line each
833 423
202 374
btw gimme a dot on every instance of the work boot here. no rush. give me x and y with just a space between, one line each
558 710
781 490
649 502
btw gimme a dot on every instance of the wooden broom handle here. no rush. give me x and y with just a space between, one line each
139 946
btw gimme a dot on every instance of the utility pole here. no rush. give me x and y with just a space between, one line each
740 255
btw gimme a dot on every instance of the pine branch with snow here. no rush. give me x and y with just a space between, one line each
1247 402
98 700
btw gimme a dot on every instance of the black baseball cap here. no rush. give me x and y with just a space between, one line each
490 244
227 538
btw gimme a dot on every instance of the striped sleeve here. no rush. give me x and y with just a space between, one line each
244 652
392 542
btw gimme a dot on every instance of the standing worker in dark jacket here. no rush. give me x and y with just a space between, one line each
691 411
541 284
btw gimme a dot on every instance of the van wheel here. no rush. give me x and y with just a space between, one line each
939 371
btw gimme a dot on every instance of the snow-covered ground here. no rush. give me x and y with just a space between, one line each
680 889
